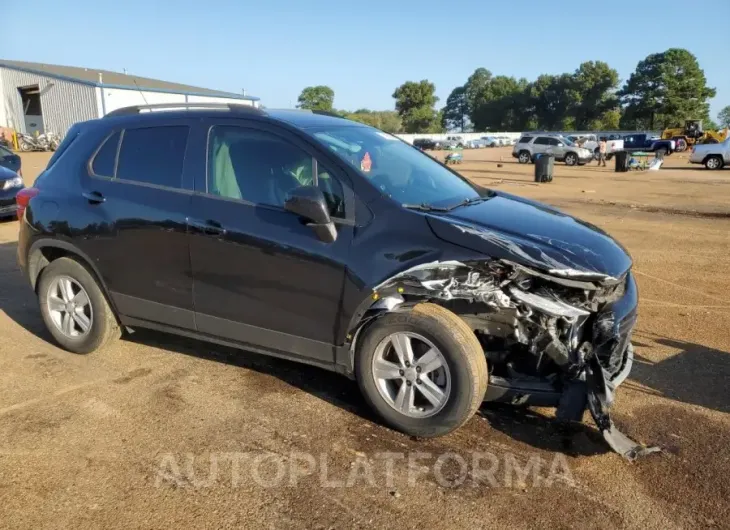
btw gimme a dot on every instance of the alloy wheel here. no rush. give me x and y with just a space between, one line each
411 374
69 307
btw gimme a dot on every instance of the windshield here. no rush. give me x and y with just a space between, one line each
566 141
398 170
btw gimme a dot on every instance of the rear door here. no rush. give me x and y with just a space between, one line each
136 188
540 145
261 276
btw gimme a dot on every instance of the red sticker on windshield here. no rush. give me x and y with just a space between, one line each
366 163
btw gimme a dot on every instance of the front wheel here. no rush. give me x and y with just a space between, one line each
24 145
523 157
422 370
571 159
714 162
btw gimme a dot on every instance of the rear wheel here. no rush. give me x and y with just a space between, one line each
680 145
523 157
423 370
714 162
571 159
74 308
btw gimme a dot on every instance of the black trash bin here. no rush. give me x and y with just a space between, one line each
544 168
622 161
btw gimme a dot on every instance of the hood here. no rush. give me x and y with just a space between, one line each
7 173
534 235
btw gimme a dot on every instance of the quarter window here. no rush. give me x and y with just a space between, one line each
153 155
103 164
262 168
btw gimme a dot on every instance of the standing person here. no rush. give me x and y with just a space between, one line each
602 151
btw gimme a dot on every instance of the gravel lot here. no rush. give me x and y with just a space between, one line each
159 431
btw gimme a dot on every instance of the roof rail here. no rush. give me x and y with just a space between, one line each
136 109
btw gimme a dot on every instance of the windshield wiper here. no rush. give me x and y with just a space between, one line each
469 202
425 207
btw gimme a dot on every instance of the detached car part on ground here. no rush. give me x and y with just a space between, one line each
432 292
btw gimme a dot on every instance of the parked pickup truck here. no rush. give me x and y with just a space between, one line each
713 156
644 142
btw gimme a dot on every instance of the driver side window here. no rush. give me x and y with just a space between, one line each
262 168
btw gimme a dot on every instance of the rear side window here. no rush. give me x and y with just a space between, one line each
542 141
103 164
525 140
153 155
553 141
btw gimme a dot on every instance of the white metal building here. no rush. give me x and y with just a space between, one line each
51 98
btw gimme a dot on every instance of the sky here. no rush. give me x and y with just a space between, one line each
362 49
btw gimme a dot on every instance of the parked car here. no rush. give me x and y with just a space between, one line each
10 184
325 241
713 156
490 141
451 142
476 143
563 149
424 143
10 160
644 142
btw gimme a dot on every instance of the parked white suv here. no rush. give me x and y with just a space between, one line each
560 147
713 156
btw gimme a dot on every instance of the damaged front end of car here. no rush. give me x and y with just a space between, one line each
559 338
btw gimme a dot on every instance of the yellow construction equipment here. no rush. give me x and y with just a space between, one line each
692 133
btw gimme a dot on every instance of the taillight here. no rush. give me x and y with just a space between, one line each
23 198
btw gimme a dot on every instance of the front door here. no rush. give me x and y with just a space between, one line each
261 276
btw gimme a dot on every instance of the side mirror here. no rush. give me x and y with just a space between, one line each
308 203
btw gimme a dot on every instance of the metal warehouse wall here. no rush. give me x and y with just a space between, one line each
63 103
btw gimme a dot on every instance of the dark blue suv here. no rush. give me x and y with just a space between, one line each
314 238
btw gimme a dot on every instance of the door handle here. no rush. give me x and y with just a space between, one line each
209 227
94 197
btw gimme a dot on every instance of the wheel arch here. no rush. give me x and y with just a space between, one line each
44 251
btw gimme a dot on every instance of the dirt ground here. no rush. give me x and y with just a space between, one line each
159 431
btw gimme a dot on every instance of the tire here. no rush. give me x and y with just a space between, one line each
524 157
103 324
680 145
571 159
24 146
465 369
714 162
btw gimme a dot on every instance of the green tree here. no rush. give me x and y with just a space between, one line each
594 86
318 97
554 98
477 91
456 112
723 117
665 90
386 120
414 102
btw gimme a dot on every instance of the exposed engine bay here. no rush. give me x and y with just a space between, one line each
553 339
